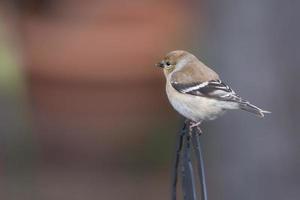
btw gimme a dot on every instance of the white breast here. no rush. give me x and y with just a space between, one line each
195 108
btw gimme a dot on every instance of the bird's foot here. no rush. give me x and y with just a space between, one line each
196 126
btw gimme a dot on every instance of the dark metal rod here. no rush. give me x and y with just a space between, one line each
185 141
184 183
190 187
200 163
177 160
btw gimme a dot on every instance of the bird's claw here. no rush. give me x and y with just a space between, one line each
196 126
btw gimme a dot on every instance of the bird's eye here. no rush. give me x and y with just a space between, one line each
168 63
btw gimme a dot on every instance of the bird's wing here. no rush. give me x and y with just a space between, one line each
212 89
216 89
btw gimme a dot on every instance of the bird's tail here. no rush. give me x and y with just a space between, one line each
253 109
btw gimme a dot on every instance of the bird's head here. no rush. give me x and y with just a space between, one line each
174 60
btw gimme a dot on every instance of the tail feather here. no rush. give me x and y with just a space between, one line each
253 109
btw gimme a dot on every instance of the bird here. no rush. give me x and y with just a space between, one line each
196 91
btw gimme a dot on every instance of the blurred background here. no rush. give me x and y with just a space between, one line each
83 110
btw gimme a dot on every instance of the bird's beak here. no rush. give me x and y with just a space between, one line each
160 64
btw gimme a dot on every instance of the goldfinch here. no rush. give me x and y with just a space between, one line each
196 91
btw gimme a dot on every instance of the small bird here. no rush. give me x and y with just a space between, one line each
196 91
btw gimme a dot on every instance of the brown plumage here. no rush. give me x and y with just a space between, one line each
189 74
192 69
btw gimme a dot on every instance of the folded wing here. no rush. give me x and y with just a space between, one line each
216 89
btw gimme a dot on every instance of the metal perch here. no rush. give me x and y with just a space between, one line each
187 138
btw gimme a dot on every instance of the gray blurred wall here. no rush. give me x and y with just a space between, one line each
255 47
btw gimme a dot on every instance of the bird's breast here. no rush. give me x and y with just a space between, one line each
193 107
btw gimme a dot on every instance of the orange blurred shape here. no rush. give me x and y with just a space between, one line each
94 85
104 40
